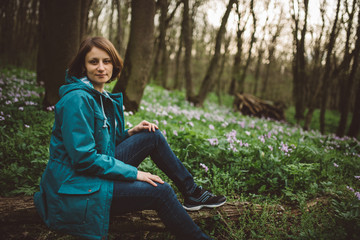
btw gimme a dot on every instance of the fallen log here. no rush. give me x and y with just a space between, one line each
250 105
18 217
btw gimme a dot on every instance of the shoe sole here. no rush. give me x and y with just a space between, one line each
197 208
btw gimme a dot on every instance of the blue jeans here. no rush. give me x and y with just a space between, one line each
137 195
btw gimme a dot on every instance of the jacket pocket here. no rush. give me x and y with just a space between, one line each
75 200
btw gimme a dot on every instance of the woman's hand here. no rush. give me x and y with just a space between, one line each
143 126
149 178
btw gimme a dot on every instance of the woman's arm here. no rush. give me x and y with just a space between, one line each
77 128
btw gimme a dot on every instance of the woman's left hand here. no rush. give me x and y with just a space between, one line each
144 125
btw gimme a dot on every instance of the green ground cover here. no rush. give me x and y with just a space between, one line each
315 177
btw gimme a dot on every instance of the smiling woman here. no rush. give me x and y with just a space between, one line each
92 171
99 68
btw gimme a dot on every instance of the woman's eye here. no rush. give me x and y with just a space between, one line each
107 61
93 62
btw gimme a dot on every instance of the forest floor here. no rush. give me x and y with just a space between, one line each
19 219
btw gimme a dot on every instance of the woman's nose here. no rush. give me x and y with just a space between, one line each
101 66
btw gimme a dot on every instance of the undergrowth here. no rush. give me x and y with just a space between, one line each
262 161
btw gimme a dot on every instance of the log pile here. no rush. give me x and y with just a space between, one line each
250 105
18 218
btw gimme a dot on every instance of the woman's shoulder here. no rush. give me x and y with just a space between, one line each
76 98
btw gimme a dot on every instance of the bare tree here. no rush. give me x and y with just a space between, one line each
160 63
137 65
235 72
316 71
19 23
186 32
271 47
348 81
299 62
241 83
57 44
213 67
325 79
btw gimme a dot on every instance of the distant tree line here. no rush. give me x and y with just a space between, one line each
269 53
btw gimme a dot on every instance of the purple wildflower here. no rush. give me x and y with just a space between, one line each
213 141
350 189
357 177
261 138
211 127
204 167
335 165
27 126
357 194
175 133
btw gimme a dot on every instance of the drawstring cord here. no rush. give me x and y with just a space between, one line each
105 118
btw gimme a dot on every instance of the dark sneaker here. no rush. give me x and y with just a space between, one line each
202 198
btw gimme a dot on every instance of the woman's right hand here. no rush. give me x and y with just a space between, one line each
149 178
144 125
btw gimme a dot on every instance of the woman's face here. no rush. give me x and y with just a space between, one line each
99 67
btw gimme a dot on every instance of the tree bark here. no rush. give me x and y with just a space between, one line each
241 84
137 65
315 72
347 82
235 72
187 37
178 83
354 128
299 64
326 81
59 42
212 69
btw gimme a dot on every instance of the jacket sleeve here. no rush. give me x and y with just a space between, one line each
78 135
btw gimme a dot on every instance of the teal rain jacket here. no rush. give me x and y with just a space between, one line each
76 187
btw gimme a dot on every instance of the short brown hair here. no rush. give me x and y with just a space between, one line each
77 65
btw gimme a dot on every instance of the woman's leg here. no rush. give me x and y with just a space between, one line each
137 195
137 147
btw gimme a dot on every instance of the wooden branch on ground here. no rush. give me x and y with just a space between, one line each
20 211
250 105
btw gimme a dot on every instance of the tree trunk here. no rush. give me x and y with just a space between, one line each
299 64
271 52
85 8
120 32
178 83
354 128
212 69
241 84
137 65
347 82
316 72
221 70
326 81
235 72
59 42
187 37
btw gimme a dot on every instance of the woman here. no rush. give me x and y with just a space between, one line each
92 170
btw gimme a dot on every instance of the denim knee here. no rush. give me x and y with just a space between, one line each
165 191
